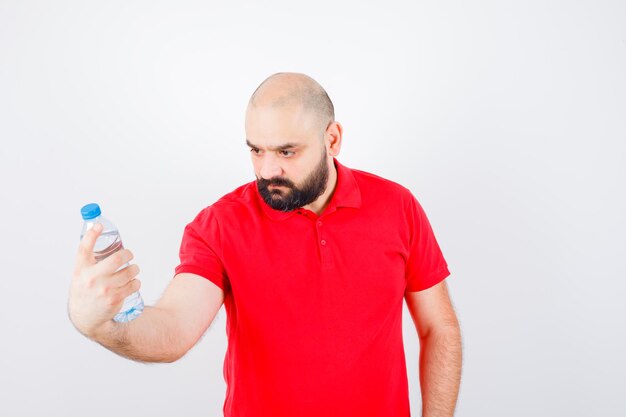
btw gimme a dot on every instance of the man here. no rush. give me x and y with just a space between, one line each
312 262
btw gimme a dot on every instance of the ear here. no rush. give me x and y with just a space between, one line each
333 138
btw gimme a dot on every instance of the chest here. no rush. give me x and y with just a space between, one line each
316 262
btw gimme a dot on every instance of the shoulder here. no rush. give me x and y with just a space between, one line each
381 188
234 204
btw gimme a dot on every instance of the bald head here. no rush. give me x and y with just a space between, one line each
297 91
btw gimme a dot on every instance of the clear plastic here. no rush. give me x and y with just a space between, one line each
109 242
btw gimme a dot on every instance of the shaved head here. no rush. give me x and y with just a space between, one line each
293 138
295 90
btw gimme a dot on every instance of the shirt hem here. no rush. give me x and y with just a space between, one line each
431 281
204 274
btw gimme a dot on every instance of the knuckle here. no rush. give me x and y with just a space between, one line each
90 282
122 256
104 292
119 257
82 251
77 273
128 274
110 301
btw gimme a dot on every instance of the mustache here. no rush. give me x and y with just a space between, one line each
275 181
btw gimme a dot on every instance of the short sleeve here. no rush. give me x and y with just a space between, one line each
425 264
200 249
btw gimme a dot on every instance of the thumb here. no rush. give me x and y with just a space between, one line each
87 243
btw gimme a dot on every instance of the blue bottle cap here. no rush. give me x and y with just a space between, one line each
90 211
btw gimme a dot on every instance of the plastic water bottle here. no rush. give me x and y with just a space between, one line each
107 244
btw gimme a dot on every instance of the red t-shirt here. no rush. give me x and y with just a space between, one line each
314 303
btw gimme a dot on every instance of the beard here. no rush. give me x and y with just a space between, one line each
313 186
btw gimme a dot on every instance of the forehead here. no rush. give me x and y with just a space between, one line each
274 128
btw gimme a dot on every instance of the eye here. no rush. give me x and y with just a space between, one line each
284 153
254 151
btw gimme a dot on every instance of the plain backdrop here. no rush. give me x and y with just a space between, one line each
506 119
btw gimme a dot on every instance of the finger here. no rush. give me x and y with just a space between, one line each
112 263
87 243
124 276
128 289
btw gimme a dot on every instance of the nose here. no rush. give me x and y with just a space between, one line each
270 167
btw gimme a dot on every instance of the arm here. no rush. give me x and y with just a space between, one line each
162 333
440 349
165 332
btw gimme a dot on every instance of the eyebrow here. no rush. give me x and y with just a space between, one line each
288 145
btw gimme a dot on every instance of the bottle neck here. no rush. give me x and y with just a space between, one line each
94 220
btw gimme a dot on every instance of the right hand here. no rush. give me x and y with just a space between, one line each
97 291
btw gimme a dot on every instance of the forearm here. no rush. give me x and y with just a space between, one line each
151 337
440 371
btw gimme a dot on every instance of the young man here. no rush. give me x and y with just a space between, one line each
312 262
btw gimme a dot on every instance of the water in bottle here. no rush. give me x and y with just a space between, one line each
108 243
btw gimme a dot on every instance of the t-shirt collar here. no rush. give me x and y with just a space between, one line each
346 194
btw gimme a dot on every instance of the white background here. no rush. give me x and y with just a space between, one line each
506 119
